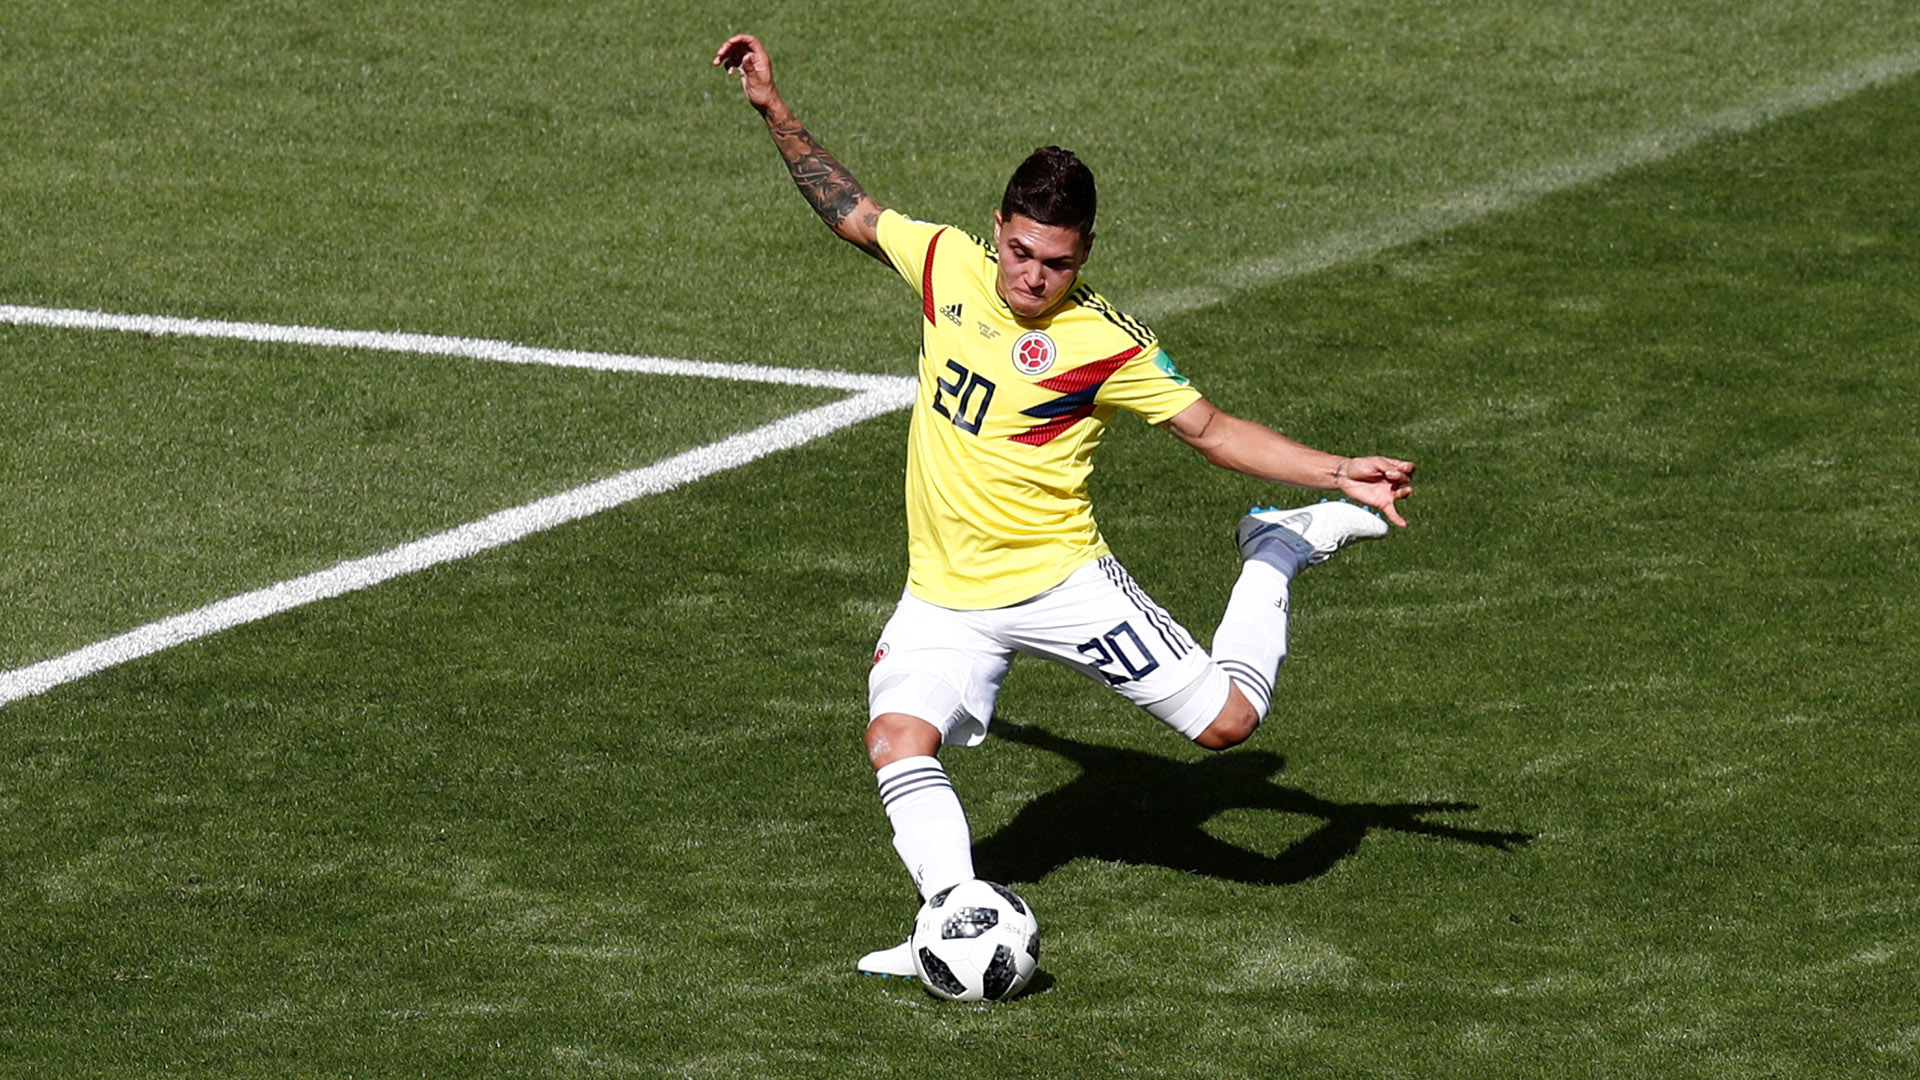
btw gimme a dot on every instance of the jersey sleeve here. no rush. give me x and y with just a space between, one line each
908 244
1150 385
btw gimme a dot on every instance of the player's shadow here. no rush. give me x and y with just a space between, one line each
1133 807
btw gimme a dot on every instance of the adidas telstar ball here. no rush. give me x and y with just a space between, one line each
975 941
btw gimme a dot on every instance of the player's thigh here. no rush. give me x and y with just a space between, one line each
939 665
1101 623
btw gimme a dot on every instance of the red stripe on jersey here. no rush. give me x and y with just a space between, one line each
926 276
1082 383
1068 382
1042 434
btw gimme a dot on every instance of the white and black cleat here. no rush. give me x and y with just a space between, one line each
1308 534
894 963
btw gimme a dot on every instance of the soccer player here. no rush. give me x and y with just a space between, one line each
1021 368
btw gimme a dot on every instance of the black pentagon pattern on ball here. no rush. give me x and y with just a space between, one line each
940 975
1033 946
1008 895
1000 976
969 922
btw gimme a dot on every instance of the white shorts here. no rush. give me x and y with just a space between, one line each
945 666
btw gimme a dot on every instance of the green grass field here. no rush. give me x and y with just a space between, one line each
1605 768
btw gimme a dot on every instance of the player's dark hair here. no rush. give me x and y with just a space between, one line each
1052 187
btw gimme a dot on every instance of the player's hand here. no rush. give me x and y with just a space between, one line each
743 55
1379 482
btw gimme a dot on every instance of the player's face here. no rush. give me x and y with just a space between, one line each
1038 263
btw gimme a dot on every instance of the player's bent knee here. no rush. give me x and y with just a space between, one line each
893 736
1236 724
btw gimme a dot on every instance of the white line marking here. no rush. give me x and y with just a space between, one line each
875 395
504 352
1509 193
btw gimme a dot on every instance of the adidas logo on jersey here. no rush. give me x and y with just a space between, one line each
952 312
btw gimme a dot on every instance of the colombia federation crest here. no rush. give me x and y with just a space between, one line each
1033 353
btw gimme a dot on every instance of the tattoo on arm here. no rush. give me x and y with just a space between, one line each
825 183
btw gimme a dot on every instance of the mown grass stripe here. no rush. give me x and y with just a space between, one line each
1450 211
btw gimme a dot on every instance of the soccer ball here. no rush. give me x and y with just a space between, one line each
975 941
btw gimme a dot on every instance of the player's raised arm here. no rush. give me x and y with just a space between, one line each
1257 450
825 183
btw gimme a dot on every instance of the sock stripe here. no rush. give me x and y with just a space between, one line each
916 778
911 781
1245 672
1250 680
905 790
1247 675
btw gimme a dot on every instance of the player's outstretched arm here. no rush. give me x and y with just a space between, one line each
825 183
1257 450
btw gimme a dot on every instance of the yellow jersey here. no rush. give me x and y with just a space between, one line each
1006 419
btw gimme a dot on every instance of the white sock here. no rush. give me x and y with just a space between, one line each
1252 639
929 827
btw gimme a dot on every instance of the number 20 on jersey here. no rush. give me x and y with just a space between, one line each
963 400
